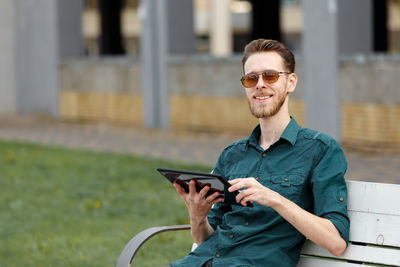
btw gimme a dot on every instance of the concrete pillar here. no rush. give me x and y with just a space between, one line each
355 26
153 53
34 35
320 50
36 53
8 95
181 35
221 35
70 35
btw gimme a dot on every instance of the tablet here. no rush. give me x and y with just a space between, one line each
216 182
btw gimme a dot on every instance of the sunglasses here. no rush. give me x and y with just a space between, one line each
268 76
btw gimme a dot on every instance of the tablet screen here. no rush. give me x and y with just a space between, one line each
183 178
216 182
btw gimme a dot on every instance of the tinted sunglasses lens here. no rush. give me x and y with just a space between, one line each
270 76
249 80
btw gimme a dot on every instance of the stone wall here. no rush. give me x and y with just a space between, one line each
206 93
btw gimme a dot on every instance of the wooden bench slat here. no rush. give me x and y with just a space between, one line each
374 197
372 228
313 262
365 254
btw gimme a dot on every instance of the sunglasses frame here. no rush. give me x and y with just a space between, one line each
274 72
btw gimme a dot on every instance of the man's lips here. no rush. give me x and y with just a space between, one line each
262 97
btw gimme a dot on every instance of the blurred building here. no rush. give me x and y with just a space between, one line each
241 19
67 68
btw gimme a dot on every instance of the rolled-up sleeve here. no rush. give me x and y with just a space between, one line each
329 188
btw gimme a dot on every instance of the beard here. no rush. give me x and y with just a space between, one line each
266 110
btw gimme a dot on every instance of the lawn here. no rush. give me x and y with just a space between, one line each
64 207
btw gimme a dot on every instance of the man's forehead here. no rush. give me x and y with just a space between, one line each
263 60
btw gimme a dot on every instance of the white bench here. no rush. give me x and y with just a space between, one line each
374 211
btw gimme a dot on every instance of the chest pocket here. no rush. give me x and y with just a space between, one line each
288 185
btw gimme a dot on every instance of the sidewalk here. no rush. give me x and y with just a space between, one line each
190 147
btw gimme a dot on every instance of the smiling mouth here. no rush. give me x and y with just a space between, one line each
262 97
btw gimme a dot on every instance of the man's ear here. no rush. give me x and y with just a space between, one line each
291 83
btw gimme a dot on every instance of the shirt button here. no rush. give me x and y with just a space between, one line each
264 155
217 255
246 223
257 178
230 236
341 199
286 179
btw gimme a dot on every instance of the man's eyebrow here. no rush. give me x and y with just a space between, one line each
258 72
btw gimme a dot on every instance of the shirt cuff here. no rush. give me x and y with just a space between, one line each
341 223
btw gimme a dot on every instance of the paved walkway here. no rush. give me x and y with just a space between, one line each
183 146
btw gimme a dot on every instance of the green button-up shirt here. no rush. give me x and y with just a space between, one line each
305 166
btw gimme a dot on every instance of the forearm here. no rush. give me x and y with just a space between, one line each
201 230
319 230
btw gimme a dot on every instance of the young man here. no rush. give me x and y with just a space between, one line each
294 177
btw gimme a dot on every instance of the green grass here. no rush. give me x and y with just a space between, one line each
64 207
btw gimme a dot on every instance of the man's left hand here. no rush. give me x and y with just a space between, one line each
251 190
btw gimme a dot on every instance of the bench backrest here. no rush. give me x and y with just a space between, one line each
374 211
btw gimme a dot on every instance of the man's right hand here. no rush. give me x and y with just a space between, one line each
199 206
197 203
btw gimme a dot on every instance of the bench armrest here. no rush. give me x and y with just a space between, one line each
127 254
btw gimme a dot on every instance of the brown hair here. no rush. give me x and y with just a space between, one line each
267 45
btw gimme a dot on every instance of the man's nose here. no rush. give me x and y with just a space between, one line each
260 82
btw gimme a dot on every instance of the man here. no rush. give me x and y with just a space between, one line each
293 176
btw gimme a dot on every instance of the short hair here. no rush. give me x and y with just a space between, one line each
267 45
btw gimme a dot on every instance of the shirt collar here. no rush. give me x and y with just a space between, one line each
254 137
291 131
289 134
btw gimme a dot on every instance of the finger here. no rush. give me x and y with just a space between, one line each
180 190
214 196
244 195
217 200
243 201
237 185
203 192
242 183
192 187
239 197
247 200
214 200
235 181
